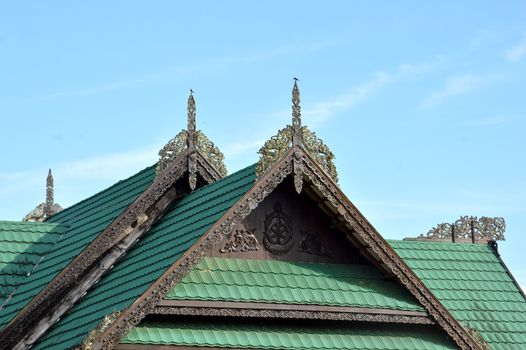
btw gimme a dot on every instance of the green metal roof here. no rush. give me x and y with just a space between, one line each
328 335
187 220
22 245
85 221
274 281
473 285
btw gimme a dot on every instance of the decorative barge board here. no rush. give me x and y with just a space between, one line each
297 154
188 161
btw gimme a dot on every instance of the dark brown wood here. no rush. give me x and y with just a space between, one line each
310 228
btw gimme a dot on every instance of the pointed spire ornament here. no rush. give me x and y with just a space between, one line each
302 141
49 207
50 194
297 137
191 142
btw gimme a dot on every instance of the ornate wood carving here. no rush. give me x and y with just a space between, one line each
242 241
35 318
301 139
311 244
292 314
192 141
49 207
367 233
278 238
150 299
468 228
263 186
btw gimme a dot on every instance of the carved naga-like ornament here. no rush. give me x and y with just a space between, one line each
301 139
191 141
468 228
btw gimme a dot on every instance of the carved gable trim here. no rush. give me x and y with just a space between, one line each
149 302
44 310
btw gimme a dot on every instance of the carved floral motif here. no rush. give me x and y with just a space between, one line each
242 241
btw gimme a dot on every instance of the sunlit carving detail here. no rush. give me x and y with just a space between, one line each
469 228
274 149
211 153
242 241
192 141
171 150
320 152
299 137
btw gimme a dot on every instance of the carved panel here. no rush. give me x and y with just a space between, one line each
311 244
468 228
277 237
242 241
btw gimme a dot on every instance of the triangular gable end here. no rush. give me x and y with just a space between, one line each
307 173
195 164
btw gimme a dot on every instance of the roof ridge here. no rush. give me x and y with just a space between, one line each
73 206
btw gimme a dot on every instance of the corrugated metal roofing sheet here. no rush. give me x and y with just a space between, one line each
473 285
274 281
299 336
187 220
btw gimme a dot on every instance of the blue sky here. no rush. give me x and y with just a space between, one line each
423 104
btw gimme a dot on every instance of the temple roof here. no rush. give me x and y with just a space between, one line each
103 271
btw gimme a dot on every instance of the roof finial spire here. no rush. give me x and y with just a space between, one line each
296 113
192 141
50 194
191 112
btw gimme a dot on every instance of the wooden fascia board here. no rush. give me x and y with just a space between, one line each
149 300
44 310
207 171
278 306
288 311
386 254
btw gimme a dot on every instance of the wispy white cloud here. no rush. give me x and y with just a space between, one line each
456 85
515 53
321 111
104 167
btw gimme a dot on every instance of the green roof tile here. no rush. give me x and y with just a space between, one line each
272 281
85 220
300 336
22 245
473 285
186 220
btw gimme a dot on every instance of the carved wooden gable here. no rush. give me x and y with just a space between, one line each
290 227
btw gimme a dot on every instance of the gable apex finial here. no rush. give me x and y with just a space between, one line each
49 194
194 144
301 140
191 112
296 114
